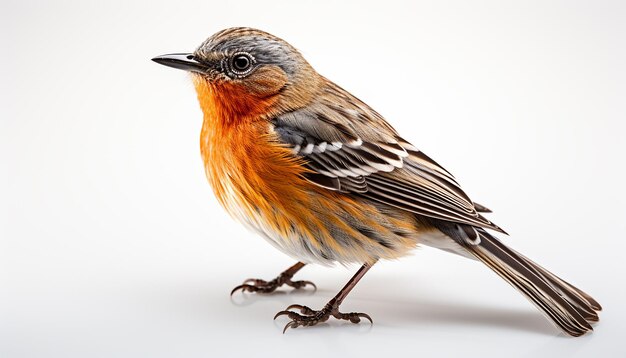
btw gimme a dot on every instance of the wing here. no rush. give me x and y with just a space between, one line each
350 148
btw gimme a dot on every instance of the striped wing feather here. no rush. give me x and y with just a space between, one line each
344 153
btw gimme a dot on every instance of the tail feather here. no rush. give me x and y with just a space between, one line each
570 290
576 297
568 307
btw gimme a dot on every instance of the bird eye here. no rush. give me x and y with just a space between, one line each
241 63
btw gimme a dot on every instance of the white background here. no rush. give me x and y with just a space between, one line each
112 244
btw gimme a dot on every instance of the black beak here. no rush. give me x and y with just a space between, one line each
182 61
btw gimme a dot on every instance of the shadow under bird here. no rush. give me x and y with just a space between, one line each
325 179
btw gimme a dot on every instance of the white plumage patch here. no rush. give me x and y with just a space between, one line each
352 159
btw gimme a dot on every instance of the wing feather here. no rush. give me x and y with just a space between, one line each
350 148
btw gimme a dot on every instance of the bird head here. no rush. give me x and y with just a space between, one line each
248 72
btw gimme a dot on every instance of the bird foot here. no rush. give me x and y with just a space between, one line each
310 317
262 286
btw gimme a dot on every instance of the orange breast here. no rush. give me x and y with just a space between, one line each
249 172
261 183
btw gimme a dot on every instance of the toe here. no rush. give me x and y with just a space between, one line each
303 309
255 281
303 284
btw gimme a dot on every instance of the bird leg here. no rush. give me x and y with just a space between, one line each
262 286
310 317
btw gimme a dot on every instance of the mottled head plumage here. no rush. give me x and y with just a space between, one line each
262 47
254 65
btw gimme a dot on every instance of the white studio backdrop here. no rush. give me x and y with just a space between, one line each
112 245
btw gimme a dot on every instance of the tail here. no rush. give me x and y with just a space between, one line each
569 308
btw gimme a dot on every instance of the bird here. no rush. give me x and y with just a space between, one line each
327 180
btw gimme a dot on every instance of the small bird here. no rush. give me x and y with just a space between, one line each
325 179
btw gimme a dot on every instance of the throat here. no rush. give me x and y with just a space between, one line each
229 103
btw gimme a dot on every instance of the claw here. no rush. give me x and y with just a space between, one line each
292 324
281 313
240 287
296 306
365 315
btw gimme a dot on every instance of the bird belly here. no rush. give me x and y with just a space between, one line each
325 227
289 242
